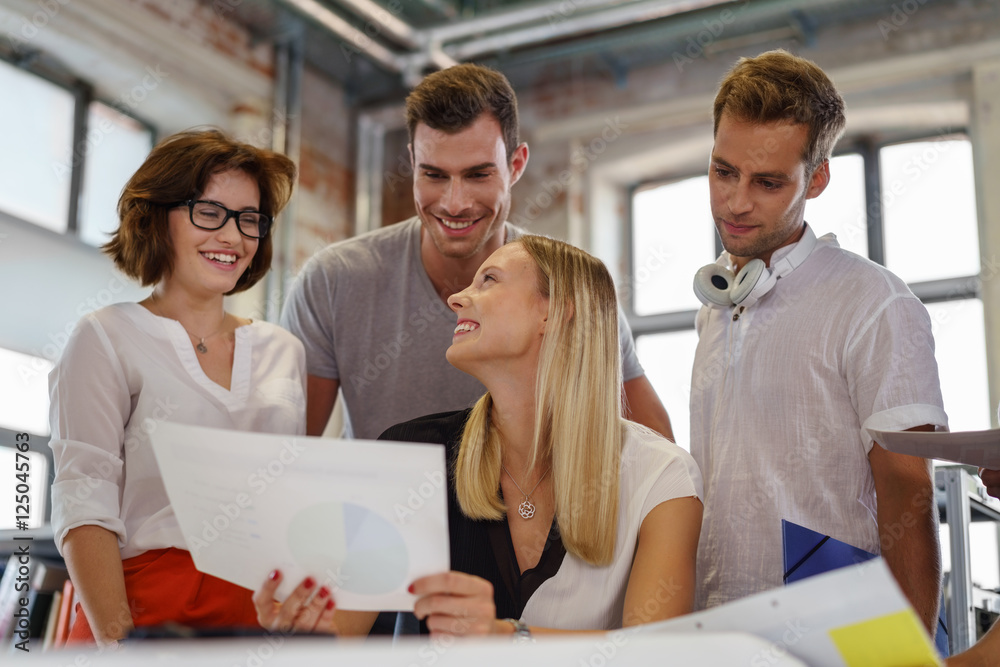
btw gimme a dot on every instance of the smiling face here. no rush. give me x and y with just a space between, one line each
461 185
210 262
759 186
501 316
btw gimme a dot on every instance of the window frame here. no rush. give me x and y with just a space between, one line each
37 63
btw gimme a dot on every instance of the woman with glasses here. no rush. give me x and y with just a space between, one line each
195 224
562 515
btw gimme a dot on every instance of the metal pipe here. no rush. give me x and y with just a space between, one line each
514 17
354 37
442 7
368 187
961 614
83 95
387 22
647 10
286 137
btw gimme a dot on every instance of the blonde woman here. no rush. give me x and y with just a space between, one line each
563 516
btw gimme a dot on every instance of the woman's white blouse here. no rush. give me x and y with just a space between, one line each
584 596
125 371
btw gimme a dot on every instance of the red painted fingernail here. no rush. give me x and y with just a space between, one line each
410 589
309 583
324 592
274 576
329 605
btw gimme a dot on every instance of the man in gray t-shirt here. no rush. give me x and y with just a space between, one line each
371 310
371 319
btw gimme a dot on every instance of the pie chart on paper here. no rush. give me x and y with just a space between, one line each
357 549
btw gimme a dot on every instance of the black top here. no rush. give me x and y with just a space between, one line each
479 547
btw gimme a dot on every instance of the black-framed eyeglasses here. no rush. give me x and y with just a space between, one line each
209 215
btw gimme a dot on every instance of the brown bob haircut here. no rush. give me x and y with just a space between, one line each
777 86
452 99
178 169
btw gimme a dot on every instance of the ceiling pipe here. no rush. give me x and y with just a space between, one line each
348 33
753 19
562 19
514 17
386 23
636 12
447 11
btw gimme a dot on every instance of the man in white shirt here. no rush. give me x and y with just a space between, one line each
792 367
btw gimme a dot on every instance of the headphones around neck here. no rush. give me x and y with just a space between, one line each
717 286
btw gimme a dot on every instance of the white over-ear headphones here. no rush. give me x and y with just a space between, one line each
716 286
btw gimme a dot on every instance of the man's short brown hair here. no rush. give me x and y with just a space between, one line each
453 99
176 170
777 86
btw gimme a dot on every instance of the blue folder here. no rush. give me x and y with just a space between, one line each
807 553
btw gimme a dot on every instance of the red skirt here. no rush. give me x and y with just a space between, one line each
163 585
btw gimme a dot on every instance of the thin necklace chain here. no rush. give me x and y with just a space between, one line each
527 508
201 347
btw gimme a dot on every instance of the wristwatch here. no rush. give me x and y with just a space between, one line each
522 633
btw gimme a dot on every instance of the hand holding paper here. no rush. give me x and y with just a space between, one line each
364 518
306 609
991 478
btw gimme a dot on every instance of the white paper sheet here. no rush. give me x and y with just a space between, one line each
365 518
974 448
799 618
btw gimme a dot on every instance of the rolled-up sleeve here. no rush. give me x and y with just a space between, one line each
892 373
90 406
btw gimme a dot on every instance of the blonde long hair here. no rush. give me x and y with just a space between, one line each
578 409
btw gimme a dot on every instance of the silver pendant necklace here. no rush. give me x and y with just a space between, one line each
526 509
201 347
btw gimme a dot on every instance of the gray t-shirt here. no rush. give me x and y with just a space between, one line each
369 317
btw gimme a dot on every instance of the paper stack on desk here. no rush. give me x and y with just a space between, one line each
365 518
852 617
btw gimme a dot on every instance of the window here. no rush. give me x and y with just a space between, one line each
668 359
927 185
64 160
924 227
670 222
59 172
38 133
841 208
24 409
117 144
24 395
